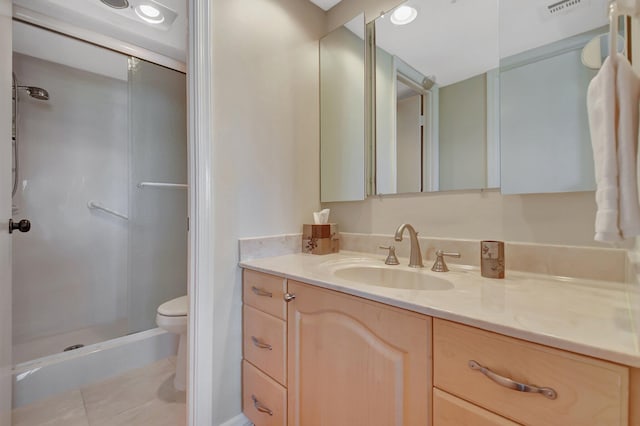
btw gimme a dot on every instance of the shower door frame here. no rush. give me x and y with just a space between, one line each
5 210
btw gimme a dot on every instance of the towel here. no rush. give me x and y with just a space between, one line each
628 94
602 109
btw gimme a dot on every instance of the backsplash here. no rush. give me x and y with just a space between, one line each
568 261
276 245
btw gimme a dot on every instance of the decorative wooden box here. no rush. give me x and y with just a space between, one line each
320 239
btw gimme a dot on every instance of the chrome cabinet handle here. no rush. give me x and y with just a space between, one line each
288 297
260 407
261 292
260 344
511 384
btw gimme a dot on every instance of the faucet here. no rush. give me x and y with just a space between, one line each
415 258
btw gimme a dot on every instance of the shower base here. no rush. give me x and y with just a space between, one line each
44 377
49 345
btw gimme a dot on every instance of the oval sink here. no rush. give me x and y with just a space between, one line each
393 278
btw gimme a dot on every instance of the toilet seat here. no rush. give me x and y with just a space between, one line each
172 317
174 308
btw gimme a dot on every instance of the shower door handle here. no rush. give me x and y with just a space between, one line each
23 226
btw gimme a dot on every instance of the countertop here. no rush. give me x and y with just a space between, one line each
594 318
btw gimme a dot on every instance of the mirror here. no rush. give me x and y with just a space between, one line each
544 128
342 113
473 95
436 82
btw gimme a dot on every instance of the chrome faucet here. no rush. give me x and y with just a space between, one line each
415 258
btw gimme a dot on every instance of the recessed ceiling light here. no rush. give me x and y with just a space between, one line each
149 13
403 15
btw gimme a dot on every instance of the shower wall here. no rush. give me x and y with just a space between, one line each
70 270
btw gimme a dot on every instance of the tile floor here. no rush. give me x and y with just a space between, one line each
140 397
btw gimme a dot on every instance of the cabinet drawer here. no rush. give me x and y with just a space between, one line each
264 401
265 292
589 391
449 410
265 342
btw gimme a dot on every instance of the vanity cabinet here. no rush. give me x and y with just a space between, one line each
328 358
579 390
348 361
356 362
264 380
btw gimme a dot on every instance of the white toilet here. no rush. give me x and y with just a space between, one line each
172 316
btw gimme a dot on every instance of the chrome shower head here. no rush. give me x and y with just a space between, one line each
36 92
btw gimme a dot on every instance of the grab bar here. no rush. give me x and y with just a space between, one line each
162 185
94 205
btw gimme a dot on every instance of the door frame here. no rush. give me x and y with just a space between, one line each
199 110
201 238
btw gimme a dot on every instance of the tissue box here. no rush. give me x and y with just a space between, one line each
320 239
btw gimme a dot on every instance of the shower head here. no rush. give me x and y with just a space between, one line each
36 92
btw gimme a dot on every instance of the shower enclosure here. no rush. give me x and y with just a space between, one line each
100 171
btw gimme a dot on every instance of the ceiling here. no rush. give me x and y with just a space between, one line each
457 39
122 24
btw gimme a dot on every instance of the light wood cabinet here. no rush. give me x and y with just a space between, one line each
327 358
264 346
356 362
449 410
589 391
264 401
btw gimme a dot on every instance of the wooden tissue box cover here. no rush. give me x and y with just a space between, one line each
320 239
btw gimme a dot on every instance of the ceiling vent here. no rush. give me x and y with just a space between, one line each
563 7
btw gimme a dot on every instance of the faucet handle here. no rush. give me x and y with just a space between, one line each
391 257
439 265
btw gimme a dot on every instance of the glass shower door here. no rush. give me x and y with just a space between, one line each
158 190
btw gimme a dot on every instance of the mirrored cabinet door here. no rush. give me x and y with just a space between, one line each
462 96
342 113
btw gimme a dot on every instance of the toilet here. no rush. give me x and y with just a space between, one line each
172 316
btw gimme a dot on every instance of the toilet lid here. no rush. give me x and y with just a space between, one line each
174 308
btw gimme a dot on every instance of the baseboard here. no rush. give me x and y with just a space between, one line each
239 420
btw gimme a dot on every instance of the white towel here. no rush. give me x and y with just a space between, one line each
628 94
602 108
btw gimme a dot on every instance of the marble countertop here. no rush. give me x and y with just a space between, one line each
595 318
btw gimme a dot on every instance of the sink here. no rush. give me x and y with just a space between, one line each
390 276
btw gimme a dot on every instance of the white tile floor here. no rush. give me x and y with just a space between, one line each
140 397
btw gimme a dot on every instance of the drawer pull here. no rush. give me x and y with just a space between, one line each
261 292
288 297
260 407
511 384
260 344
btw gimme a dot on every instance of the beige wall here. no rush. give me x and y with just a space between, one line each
547 218
565 218
463 134
266 147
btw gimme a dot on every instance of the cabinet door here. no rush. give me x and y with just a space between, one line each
356 362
